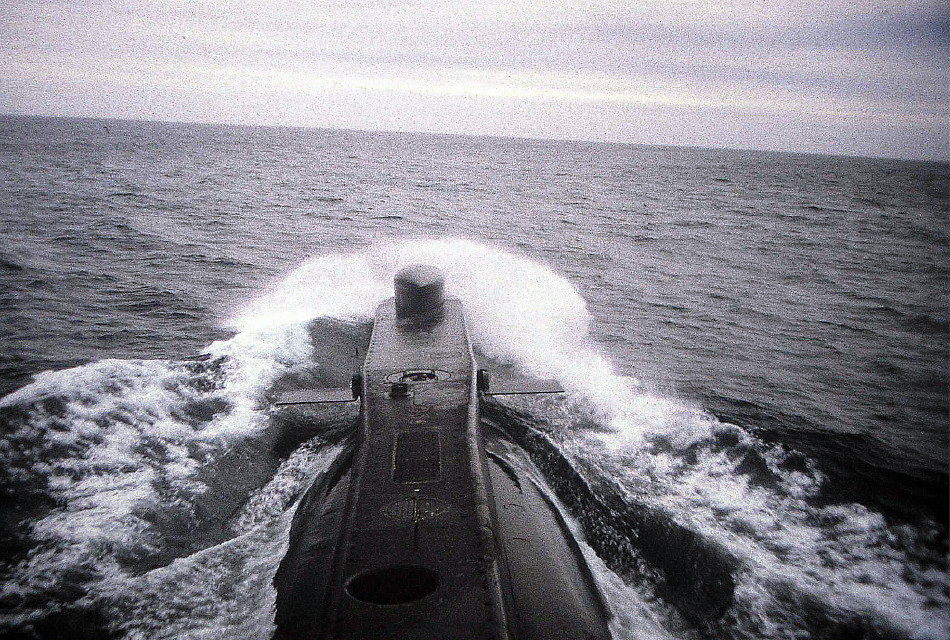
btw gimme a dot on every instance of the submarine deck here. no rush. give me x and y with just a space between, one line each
420 553
417 533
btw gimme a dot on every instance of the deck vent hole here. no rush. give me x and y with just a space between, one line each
400 584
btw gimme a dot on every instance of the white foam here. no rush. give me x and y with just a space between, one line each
293 476
342 286
103 436
225 591
844 556
520 312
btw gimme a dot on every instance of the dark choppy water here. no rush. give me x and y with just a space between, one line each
755 344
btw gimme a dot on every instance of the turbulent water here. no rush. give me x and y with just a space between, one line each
755 346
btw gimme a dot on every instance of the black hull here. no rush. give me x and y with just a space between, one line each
418 533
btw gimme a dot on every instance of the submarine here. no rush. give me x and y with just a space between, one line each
421 531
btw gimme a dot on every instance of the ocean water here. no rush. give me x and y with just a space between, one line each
755 348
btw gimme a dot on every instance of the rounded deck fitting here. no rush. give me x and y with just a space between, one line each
420 293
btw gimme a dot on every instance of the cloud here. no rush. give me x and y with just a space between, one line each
881 63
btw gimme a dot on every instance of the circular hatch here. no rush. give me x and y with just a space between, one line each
395 585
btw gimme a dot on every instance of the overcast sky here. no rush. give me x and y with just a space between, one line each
865 77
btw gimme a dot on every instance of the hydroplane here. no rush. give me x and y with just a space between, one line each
419 532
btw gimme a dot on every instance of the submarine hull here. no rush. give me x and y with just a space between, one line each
417 532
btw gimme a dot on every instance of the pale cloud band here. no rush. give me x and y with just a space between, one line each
830 77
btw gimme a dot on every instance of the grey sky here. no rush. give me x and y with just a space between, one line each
864 77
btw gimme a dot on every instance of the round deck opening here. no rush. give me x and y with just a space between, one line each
393 585
419 375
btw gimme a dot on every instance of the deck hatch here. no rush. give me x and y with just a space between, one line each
417 457
393 585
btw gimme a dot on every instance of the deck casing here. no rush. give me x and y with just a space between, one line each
421 534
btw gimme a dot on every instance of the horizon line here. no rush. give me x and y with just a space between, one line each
492 136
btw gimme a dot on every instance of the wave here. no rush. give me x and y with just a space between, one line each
9 264
745 512
127 461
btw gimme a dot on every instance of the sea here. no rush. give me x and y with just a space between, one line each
753 442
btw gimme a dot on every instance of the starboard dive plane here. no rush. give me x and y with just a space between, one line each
418 534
